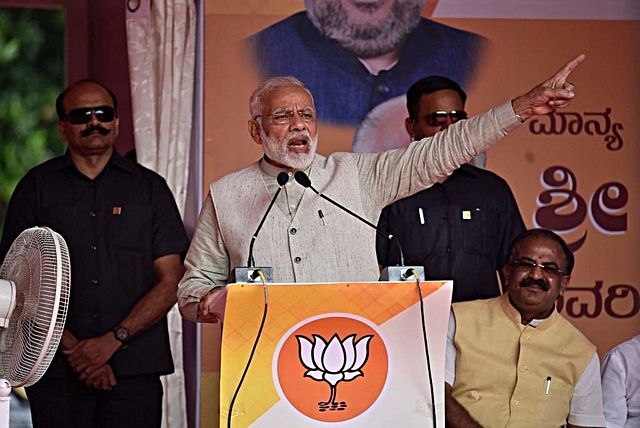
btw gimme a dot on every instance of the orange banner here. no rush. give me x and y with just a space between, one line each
334 353
574 171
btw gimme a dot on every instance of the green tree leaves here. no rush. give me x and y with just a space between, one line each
31 77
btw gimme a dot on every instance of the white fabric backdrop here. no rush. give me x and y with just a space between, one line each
161 50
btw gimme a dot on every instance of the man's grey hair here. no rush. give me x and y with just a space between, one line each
268 86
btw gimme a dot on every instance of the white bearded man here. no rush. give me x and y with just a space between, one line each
304 238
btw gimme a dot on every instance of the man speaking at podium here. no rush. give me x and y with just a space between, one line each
305 238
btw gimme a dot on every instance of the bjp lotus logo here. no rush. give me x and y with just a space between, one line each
312 361
335 361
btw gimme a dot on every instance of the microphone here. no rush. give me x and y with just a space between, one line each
391 273
304 181
250 272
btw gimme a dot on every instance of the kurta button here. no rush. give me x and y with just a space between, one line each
93 247
522 368
297 260
92 214
447 250
94 281
293 231
95 316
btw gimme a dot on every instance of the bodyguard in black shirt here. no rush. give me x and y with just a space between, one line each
125 239
461 227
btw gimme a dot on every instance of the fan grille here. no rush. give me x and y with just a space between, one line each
38 264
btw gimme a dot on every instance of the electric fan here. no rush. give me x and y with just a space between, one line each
34 297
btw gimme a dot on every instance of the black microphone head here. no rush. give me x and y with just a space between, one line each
302 178
282 178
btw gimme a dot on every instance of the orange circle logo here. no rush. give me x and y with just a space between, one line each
331 368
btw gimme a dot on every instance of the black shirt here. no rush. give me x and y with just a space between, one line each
460 229
115 227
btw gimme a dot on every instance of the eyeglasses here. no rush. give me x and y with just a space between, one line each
439 118
285 117
80 116
530 265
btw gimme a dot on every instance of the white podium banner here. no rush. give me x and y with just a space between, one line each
345 354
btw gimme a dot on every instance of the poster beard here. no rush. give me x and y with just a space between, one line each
357 29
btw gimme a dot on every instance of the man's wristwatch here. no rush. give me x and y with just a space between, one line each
122 334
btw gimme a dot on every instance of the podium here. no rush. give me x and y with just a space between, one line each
351 354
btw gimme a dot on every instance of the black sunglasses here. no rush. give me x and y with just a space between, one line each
80 116
439 118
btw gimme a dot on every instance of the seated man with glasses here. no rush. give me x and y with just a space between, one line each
514 360
461 227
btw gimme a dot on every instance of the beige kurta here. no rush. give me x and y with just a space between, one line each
303 248
514 375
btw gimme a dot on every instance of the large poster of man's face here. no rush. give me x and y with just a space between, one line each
354 56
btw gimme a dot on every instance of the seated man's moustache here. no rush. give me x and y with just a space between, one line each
90 130
544 285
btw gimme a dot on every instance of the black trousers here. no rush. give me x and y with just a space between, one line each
134 402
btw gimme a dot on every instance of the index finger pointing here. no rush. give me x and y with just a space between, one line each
568 67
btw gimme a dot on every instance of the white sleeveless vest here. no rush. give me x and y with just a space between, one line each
339 249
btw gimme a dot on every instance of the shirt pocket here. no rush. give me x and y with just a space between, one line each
131 228
555 403
131 242
478 230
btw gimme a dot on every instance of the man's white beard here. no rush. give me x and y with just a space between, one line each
278 151
365 40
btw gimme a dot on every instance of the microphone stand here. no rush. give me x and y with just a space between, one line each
390 273
251 273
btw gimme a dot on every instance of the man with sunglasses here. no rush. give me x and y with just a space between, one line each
125 239
461 227
514 360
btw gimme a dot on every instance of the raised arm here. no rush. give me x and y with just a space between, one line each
399 173
551 94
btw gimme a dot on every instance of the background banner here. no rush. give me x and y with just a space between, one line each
574 171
